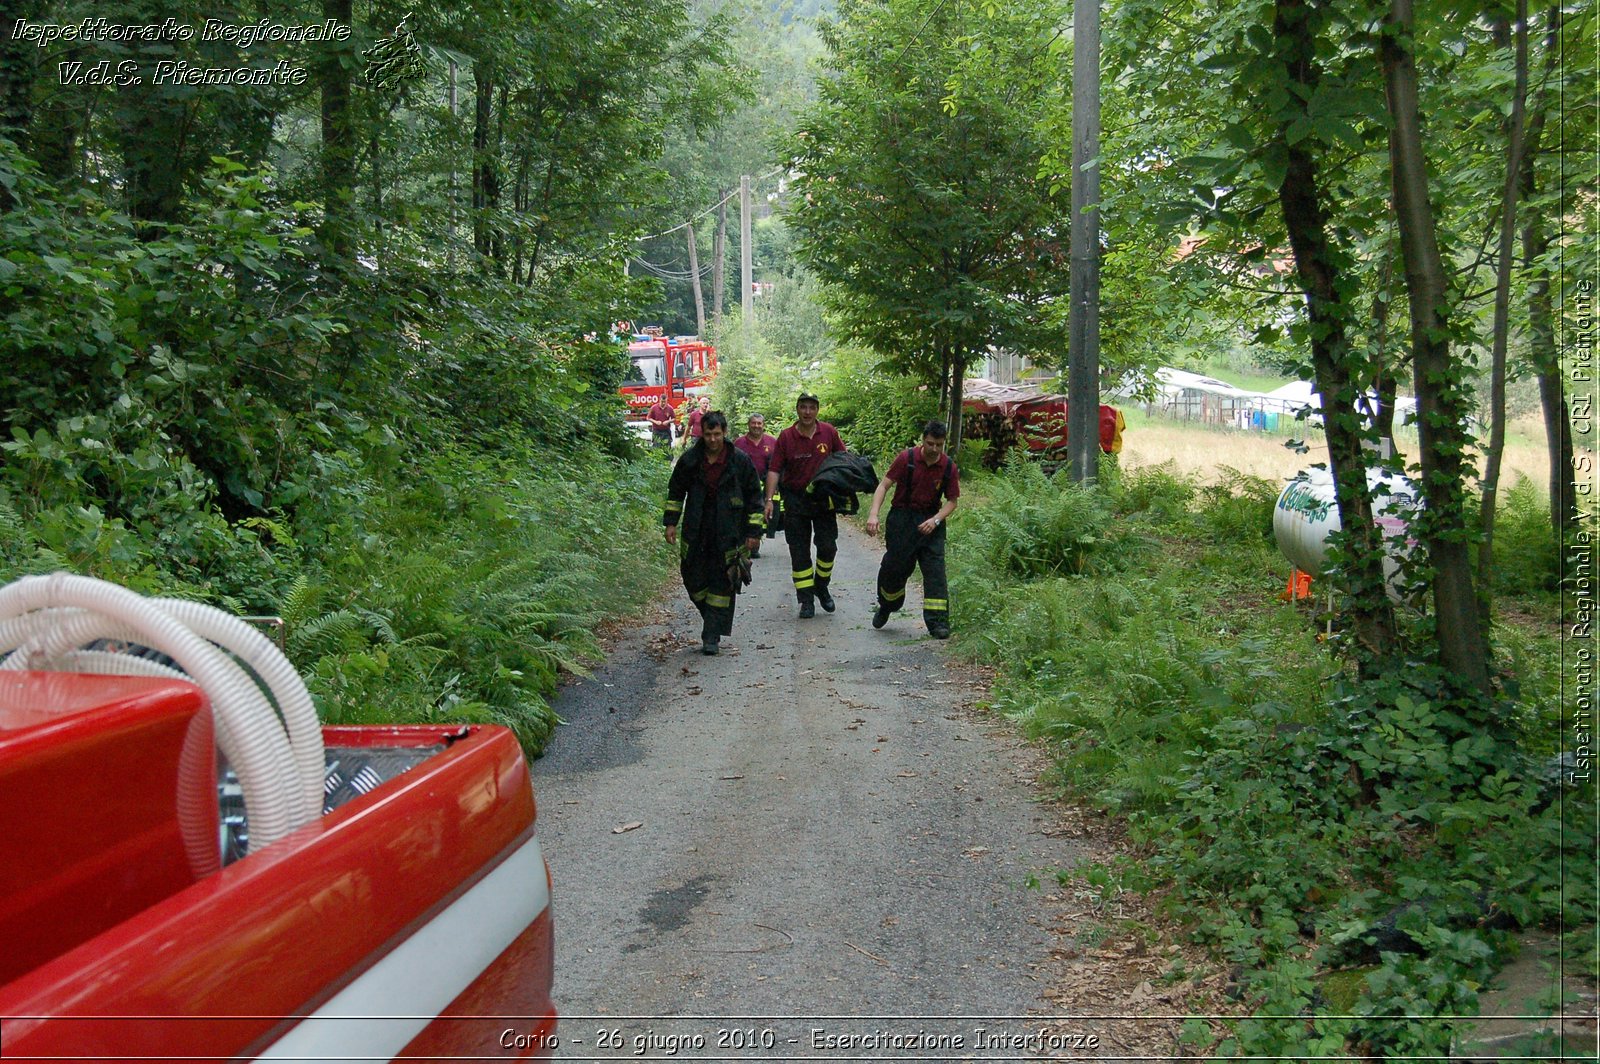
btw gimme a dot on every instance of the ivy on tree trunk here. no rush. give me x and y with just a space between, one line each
1325 277
1444 526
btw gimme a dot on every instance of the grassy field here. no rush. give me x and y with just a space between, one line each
1203 451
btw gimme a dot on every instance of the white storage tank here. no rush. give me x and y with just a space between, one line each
1307 513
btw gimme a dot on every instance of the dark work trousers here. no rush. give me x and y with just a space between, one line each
705 577
906 548
800 526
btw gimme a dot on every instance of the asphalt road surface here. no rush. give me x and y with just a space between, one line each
807 847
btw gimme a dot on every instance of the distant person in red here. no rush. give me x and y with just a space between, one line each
800 450
660 418
696 416
928 486
757 446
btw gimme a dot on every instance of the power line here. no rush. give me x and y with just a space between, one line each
936 8
708 210
669 273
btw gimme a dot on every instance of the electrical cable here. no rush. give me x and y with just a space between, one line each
708 210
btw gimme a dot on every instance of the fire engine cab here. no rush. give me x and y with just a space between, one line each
196 869
670 368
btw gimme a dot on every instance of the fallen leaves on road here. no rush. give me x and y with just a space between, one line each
974 852
629 826
738 777
905 775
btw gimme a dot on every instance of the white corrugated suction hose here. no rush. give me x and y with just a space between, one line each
44 620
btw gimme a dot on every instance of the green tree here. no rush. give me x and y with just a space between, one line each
919 204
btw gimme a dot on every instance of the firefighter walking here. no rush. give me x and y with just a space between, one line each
801 448
927 485
715 495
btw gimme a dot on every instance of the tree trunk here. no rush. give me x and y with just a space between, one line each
1542 350
483 176
338 140
1083 326
694 280
1502 302
1321 271
719 245
375 151
1441 397
958 380
1385 381
944 382
17 71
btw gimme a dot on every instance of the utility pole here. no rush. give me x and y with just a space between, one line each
1083 317
694 279
718 253
747 304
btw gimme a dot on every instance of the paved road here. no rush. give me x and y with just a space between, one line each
824 831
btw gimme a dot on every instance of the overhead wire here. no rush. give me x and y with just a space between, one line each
708 210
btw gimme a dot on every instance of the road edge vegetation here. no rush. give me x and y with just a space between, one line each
1357 851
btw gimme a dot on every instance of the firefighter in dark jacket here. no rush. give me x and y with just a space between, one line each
928 485
801 448
716 495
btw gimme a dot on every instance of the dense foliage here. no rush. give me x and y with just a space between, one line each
338 350
1356 851
920 204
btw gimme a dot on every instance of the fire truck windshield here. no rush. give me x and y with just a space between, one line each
649 368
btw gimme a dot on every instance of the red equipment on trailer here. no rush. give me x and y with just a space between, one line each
1024 415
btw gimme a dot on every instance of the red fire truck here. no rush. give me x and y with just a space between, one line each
671 368
196 869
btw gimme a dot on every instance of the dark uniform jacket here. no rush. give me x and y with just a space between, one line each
736 514
834 485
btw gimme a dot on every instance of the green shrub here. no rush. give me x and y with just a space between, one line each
1033 525
1525 557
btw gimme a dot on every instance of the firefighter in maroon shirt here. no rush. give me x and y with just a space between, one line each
696 416
757 446
661 417
800 450
928 486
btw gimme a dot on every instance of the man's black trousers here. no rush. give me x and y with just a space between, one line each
800 527
906 549
705 577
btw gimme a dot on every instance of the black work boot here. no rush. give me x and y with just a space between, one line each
881 617
824 599
708 645
807 610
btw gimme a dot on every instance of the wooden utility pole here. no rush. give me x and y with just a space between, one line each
1083 317
719 244
694 279
747 302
